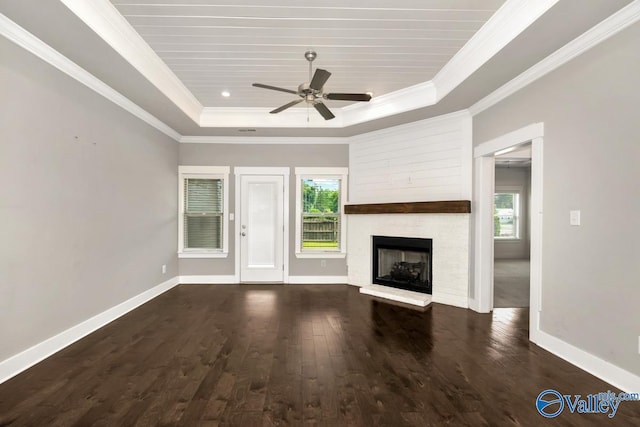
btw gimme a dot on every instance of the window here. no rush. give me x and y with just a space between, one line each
506 214
320 199
203 220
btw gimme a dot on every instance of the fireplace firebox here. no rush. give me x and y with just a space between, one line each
402 262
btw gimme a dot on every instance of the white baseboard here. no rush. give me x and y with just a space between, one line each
614 375
456 301
208 280
294 280
24 360
474 305
317 280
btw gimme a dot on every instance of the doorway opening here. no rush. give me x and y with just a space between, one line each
511 231
481 297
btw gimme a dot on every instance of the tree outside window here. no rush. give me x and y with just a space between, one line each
321 193
506 215
321 213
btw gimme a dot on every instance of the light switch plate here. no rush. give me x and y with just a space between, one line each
574 217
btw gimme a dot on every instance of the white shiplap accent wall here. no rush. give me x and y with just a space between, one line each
427 160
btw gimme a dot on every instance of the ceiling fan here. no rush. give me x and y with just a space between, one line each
312 91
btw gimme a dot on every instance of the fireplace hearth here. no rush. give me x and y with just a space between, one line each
402 262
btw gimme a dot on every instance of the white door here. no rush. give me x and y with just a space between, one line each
261 228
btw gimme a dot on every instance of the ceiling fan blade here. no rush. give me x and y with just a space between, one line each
348 96
275 88
320 77
323 110
285 106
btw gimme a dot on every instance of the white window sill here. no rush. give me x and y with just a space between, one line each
203 254
507 239
321 255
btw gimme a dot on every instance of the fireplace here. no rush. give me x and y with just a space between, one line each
402 262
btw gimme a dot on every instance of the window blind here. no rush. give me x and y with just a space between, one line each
203 212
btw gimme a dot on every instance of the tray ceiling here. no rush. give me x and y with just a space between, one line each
167 61
368 46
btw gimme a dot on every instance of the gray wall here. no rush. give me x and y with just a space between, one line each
88 202
591 273
515 177
272 155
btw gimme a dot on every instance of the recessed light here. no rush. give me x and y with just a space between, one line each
225 93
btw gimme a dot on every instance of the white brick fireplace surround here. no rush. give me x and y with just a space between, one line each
425 161
450 256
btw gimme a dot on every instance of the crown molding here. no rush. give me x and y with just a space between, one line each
508 22
37 47
262 140
105 20
455 116
493 33
260 118
400 101
513 17
617 22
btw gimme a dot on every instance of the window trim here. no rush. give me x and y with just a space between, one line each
518 218
341 173
204 172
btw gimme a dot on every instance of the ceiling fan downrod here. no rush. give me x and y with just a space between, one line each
310 55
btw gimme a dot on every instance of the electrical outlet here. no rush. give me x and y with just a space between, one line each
323 263
164 269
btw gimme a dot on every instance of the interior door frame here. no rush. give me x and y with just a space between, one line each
262 171
484 189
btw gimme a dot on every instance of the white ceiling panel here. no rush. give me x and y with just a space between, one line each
374 46
334 4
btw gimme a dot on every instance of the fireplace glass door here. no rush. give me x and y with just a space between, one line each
402 263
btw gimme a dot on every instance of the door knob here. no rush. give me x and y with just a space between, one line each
243 234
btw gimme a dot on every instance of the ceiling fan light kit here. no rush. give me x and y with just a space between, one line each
312 91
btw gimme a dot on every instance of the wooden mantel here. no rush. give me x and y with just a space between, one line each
449 206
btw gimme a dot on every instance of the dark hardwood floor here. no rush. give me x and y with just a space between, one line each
249 355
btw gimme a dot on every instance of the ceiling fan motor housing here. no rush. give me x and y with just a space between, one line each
307 93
